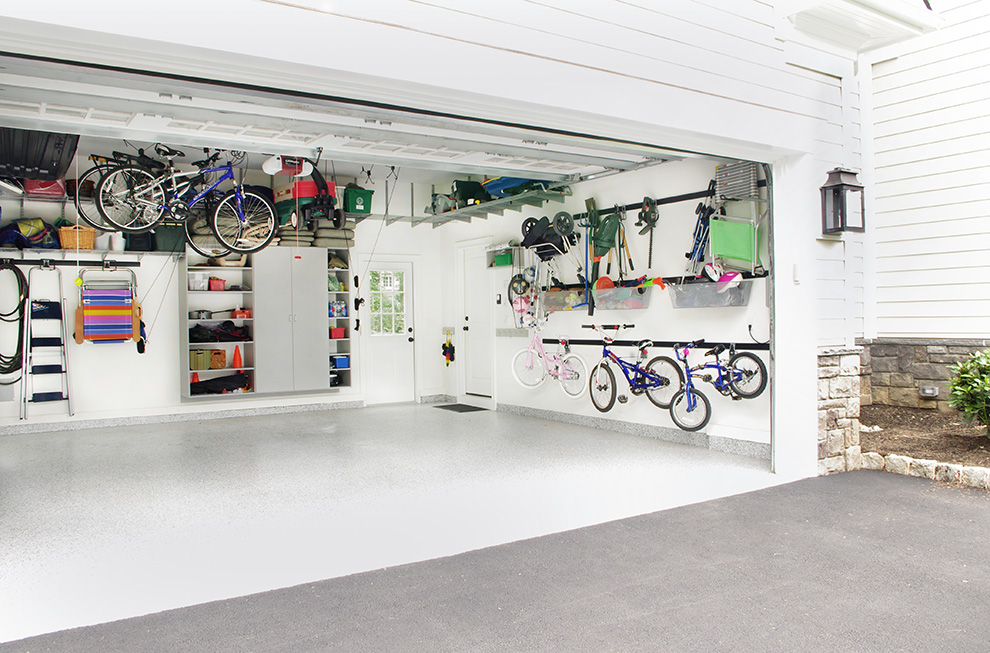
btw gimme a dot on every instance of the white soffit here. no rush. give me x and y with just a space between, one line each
861 25
62 97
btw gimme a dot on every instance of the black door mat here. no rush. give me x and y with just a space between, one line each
460 408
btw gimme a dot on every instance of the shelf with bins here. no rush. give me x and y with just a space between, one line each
339 311
216 298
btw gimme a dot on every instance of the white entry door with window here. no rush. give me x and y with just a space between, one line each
476 326
389 369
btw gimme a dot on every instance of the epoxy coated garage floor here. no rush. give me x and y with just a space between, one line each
103 524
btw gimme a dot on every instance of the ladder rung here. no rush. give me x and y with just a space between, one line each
45 310
46 342
39 397
46 369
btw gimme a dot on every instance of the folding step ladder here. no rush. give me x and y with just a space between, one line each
46 365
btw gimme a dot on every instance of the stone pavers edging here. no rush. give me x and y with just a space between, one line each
977 477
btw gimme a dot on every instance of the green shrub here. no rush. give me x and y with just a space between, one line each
970 388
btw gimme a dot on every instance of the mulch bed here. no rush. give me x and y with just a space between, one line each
924 433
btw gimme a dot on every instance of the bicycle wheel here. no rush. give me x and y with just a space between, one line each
528 368
572 372
129 199
200 237
749 375
86 205
673 377
601 386
251 234
693 419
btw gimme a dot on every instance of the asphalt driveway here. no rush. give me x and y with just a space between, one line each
861 561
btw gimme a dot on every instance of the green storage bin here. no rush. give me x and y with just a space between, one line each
731 239
502 258
357 200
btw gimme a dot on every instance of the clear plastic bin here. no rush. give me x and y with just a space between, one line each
705 295
607 299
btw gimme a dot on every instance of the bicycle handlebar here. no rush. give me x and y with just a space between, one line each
608 326
205 163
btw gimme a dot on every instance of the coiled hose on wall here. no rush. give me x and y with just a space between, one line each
12 364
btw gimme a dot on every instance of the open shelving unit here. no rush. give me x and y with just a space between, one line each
219 301
339 311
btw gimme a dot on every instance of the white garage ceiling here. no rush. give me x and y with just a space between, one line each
100 101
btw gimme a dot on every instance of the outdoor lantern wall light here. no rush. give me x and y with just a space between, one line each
843 208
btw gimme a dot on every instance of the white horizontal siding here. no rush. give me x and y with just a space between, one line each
697 74
947 226
944 326
931 108
665 46
964 143
969 73
961 290
955 276
830 292
946 308
932 260
968 163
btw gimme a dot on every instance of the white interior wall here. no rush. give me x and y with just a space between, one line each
660 321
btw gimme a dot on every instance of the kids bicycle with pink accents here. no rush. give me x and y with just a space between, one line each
533 365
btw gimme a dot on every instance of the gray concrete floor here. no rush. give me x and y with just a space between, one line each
104 524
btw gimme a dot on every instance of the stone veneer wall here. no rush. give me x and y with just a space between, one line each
894 370
838 409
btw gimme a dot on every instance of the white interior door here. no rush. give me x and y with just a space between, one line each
476 324
389 367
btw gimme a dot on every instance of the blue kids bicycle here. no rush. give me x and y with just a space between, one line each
661 378
743 377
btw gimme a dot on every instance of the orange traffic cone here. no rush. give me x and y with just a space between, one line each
237 358
195 377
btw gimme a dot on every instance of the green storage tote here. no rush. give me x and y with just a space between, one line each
357 200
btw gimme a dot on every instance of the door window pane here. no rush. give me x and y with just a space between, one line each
388 302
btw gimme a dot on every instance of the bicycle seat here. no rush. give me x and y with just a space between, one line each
644 344
715 351
136 159
167 152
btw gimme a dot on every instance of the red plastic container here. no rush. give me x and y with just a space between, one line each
45 188
218 284
301 189
337 332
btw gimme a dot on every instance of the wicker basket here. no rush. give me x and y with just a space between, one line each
77 237
218 359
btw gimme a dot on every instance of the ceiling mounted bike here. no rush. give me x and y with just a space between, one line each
134 199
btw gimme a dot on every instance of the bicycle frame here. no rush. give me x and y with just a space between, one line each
654 380
536 347
722 382
175 188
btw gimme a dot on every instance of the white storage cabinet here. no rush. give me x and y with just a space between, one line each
290 319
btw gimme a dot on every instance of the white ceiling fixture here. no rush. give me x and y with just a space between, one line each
861 25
